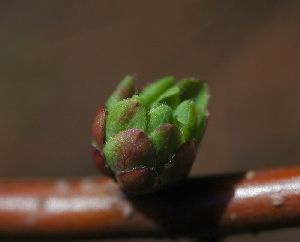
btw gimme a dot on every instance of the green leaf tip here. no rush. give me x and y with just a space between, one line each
156 89
186 117
124 90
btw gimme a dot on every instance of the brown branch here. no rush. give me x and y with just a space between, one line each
91 207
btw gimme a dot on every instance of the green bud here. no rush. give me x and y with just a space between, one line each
149 140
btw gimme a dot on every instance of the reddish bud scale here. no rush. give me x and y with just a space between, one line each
147 180
180 165
133 148
98 127
97 133
101 163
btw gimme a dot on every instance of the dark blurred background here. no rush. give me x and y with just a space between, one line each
60 59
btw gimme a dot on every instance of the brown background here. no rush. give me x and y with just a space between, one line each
60 59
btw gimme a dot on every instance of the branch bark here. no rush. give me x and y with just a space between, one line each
198 207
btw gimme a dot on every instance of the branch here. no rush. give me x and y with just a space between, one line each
197 207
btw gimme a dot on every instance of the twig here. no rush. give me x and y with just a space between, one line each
197 207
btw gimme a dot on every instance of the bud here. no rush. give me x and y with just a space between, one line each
149 140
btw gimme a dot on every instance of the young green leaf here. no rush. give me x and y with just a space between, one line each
201 106
186 116
202 98
124 115
166 140
189 88
154 90
162 114
170 97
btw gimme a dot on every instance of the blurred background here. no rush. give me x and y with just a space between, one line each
61 59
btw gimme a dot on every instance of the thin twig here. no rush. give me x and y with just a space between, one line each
198 207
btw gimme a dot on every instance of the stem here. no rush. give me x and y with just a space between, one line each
197 207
